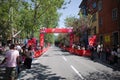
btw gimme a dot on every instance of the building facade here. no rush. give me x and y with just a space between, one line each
105 20
89 10
108 22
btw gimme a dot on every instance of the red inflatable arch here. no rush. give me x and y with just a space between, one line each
55 30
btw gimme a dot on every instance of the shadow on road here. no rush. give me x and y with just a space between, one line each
2 69
40 72
103 76
115 68
97 60
2 73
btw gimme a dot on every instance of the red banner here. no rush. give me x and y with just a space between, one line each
92 40
32 42
41 39
56 30
71 39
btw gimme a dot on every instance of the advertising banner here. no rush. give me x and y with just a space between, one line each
42 39
56 30
92 40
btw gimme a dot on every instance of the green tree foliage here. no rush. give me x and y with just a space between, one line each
28 16
7 8
71 21
74 22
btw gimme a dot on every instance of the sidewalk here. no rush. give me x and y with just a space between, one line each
103 61
2 69
2 73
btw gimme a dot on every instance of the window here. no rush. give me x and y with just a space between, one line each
94 17
94 5
85 13
100 22
94 30
99 5
114 13
101 39
115 38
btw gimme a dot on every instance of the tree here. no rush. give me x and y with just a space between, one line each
27 17
70 21
7 8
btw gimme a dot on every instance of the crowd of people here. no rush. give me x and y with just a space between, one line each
108 54
112 55
17 56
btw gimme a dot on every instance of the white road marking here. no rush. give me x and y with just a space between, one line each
64 58
86 65
35 61
77 72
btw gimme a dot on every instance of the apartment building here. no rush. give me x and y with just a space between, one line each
109 28
89 9
105 20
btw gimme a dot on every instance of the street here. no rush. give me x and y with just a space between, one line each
58 65
86 31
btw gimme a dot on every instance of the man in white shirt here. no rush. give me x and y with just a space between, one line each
11 60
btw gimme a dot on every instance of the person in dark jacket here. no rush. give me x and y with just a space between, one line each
29 57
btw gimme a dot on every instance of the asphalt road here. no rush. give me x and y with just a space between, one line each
56 64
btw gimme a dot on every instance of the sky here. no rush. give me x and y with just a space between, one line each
72 9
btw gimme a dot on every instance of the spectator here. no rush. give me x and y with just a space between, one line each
98 50
108 53
118 52
18 47
12 60
92 49
114 56
29 57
